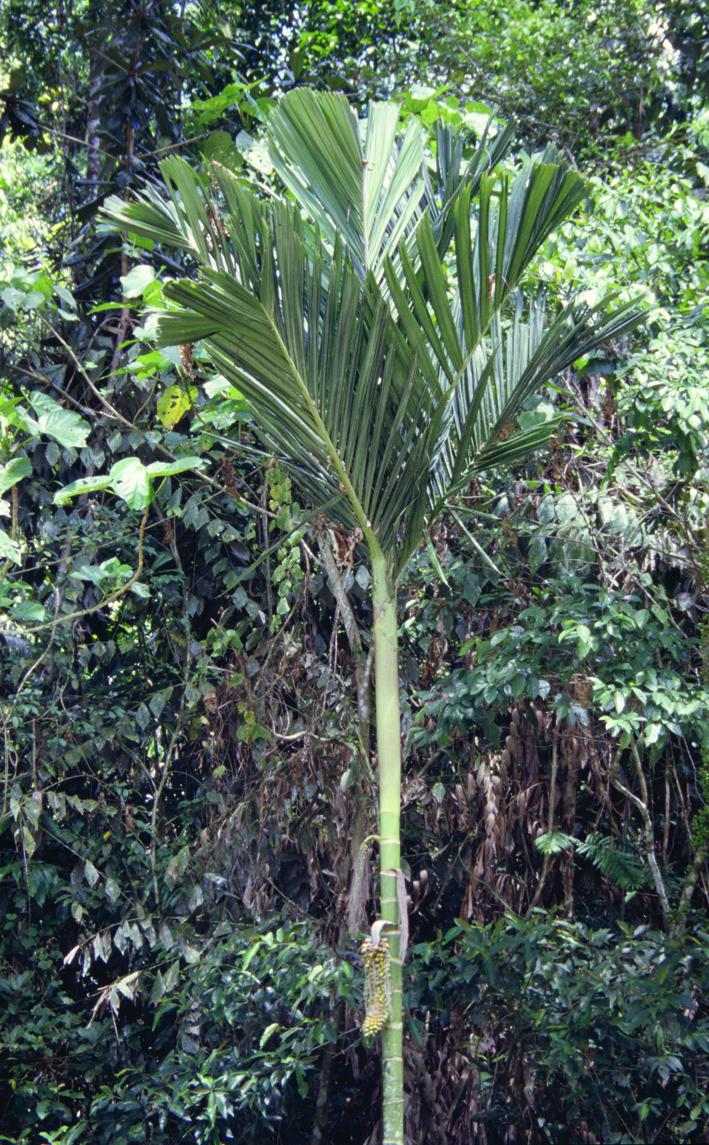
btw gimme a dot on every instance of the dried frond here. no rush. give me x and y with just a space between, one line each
359 890
403 916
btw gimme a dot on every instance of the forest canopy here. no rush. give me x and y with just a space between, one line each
500 323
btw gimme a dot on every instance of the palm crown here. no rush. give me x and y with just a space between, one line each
374 324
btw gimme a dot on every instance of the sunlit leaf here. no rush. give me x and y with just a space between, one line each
13 471
9 549
82 485
173 404
65 426
135 282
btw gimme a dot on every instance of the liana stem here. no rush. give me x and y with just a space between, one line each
388 726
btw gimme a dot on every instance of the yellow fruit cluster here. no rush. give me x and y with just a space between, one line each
374 1023
377 986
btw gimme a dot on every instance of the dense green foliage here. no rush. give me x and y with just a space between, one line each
185 779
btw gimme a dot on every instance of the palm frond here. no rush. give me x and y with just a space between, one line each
519 361
620 866
367 187
453 175
490 362
512 219
180 222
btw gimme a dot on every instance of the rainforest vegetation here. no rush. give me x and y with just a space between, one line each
354 572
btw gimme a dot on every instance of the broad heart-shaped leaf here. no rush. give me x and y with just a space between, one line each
129 479
12 472
171 468
136 280
367 188
65 426
83 485
131 482
110 569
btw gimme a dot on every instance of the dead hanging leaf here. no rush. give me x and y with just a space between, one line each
186 350
174 403
110 995
359 890
403 915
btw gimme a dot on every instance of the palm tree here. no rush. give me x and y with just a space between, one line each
372 318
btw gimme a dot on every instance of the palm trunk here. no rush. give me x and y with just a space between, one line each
388 724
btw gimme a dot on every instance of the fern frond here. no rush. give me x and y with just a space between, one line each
553 842
621 867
